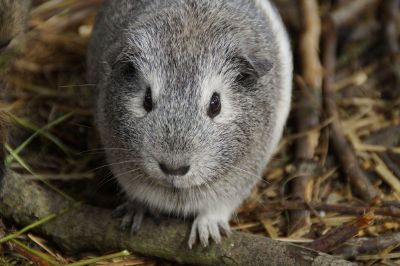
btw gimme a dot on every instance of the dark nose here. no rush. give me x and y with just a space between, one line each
169 170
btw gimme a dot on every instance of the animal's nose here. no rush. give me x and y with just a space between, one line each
170 170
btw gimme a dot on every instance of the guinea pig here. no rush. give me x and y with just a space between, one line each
191 100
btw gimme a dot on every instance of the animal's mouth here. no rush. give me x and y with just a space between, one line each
179 178
178 182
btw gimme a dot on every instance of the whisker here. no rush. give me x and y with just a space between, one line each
80 125
105 180
111 176
250 174
111 164
76 85
103 150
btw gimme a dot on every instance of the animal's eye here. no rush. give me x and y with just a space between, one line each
215 106
128 71
148 101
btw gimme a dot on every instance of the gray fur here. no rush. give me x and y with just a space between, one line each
184 50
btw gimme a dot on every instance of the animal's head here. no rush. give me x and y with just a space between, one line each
186 94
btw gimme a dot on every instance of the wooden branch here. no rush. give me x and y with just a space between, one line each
386 210
309 110
371 245
309 44
351 11
338 236
301 190
342 148
92 228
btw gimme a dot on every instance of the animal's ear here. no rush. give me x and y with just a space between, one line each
251 70
261 66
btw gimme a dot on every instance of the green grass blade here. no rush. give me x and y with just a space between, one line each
41 131
27 168
37 253
27 228
38 223
98 259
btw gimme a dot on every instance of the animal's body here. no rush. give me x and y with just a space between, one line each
191 100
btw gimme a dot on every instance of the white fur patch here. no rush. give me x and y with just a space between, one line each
155 83
218 84
135 106
285 57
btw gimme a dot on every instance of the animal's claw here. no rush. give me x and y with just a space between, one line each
132 216
205 227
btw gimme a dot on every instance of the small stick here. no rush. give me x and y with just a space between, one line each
35 256
390 11
390 211
349 12
368 245
92 261
341 234
308 115
359 181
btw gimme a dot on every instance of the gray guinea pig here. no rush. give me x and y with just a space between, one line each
191 100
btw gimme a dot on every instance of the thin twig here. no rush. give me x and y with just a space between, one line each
390 15
342 148
390 211
368 245
36 256
339 235
92 261
309 110
351 11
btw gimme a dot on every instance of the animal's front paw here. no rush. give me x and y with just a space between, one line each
206 226
132 215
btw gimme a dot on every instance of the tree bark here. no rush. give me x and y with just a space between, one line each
92 228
